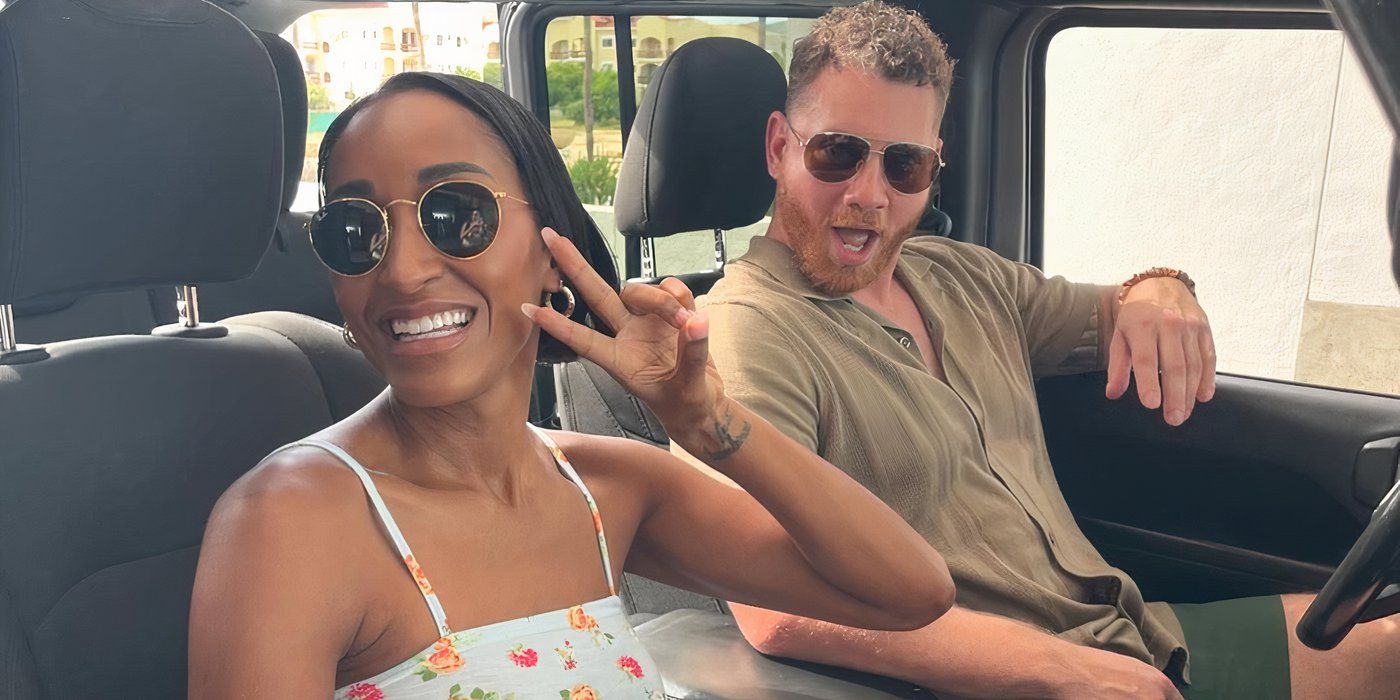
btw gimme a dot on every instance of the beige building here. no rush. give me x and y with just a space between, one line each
349 52
656 37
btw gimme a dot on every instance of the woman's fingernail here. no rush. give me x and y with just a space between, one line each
529 310
548 233
698 327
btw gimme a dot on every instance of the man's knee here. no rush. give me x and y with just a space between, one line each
1361 664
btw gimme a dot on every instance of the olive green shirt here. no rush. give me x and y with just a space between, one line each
964 462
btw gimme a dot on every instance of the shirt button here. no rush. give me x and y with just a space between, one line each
905 342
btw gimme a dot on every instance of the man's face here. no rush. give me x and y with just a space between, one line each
846 234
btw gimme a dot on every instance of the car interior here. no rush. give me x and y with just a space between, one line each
164 324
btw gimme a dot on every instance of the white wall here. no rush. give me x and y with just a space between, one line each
1255 160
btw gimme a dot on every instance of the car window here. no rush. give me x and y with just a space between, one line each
349 52
570 42
587 125
1255 160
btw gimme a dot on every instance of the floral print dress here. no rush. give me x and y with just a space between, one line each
584 652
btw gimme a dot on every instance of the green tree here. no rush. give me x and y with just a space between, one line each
317 99
595 179
565 80
491 75
467 73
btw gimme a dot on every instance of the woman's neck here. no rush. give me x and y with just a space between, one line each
482 444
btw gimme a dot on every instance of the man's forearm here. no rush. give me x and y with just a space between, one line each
963 654
1107 316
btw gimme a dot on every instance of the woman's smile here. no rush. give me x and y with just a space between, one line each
426 328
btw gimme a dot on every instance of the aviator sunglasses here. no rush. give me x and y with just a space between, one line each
460 219
832 156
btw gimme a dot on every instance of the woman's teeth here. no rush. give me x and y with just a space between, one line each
430 326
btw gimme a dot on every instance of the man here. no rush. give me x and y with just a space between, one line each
911 364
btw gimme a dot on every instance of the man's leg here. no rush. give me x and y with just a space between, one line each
1365 665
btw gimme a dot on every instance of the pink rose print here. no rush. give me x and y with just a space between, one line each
522 657
364 691
630 666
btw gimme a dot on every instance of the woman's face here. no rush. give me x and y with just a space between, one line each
396 149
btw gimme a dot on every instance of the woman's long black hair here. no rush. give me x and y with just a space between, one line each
547 185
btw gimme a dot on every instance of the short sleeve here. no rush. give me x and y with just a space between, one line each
765 369
1060 317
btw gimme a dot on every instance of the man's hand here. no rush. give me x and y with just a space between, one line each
1159 326
1106 675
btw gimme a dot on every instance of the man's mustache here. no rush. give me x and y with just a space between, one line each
858 218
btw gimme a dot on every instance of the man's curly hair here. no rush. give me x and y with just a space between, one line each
885 41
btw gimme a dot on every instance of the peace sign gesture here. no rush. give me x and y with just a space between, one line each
660 346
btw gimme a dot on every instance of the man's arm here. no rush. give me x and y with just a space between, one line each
1158 327
963 654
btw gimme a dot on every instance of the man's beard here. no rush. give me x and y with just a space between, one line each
811 247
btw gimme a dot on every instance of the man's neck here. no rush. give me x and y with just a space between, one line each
884 292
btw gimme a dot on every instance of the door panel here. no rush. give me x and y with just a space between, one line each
1257 493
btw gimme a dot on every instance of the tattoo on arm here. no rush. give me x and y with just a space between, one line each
728 439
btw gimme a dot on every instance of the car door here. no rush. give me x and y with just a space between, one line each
1248 149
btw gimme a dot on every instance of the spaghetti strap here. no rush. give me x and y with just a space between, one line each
568 470
405 554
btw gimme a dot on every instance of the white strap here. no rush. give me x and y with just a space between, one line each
568 470
406 554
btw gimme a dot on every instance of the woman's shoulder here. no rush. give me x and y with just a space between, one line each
625 463
603 454
301 488
276 551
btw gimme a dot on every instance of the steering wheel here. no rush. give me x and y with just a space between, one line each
1358 590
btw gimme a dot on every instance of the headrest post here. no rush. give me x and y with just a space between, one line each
8 344
11 352
720 253
187 305
648 258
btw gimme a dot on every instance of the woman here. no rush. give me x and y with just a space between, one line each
306 579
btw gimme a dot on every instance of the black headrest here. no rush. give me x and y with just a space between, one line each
292 82
695 157
147 151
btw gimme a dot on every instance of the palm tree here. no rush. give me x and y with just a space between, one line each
418 34
588 85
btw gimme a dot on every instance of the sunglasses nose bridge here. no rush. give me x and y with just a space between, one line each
408 243
867 186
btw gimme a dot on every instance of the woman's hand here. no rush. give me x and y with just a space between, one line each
659 350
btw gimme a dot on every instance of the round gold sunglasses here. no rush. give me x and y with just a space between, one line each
459 217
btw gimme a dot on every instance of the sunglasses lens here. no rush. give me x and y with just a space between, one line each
460 218
348 236
835 157
910 168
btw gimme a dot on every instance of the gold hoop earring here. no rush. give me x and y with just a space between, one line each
568 298
349 337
